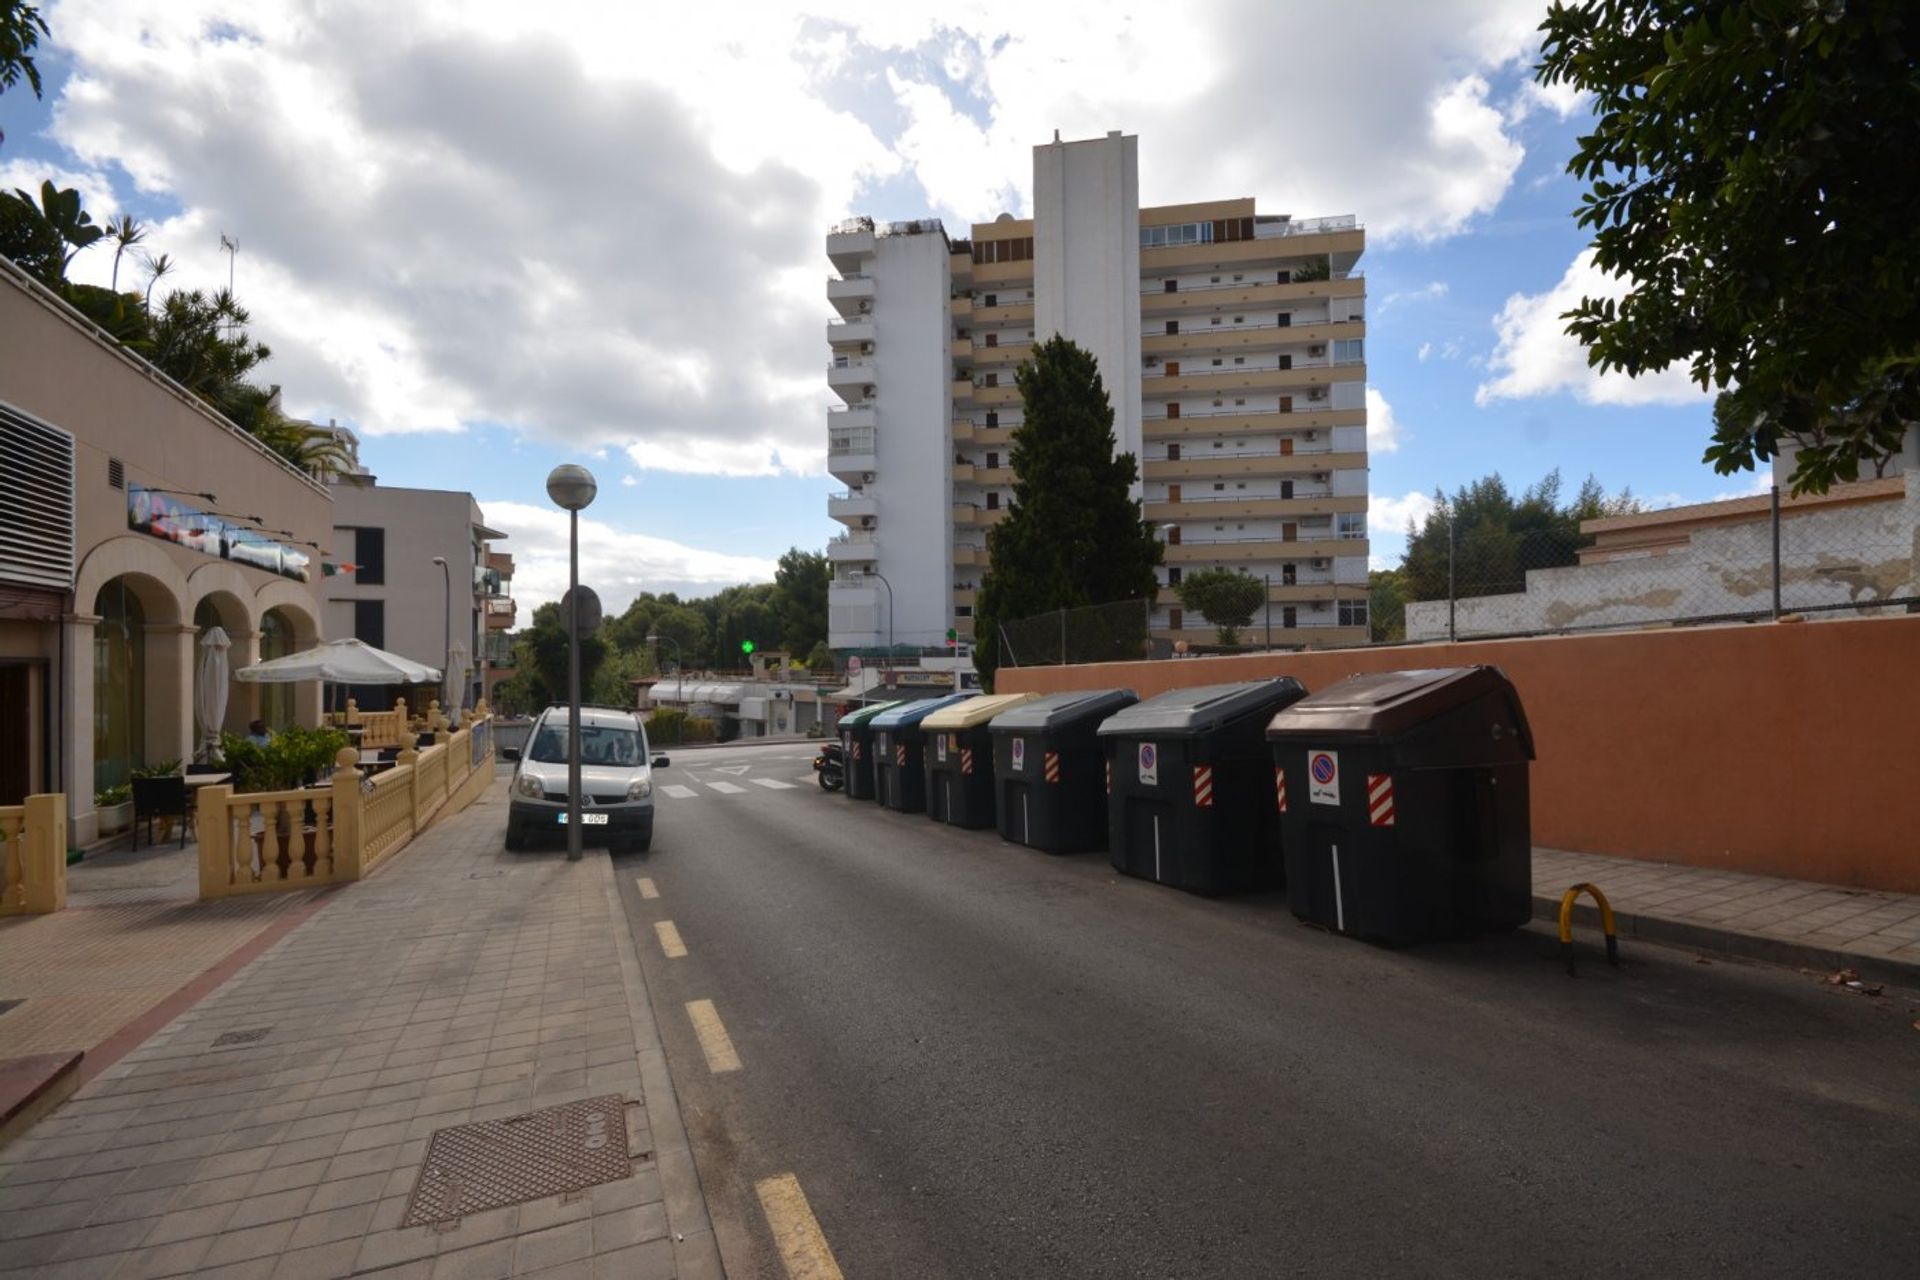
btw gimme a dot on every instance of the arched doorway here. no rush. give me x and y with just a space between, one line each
119 684
277 640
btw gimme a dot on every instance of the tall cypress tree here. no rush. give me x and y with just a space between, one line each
1075 537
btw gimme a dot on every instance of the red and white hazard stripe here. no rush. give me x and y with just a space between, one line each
1380 799
1203 785
966 760
856 748
1280 789
900 757
1053 766
1109 777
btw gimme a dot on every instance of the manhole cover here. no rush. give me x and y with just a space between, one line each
474 1167
252 1035
8 1004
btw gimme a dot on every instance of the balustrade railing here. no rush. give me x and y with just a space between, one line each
33 855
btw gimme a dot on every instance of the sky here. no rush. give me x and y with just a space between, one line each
495 237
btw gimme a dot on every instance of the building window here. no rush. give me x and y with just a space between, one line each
993 340
1173 576
1286 488
993 420
276 641
1289 574
1352 524
1173 326
1174 618
991 300
1349 350
1219 486
1286 362
1289 617
1173 286
119 685
993 462
1286 317
993 501
370 557
1173 450
370 622
993 379
959 611
1353 613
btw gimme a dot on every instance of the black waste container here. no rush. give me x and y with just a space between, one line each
899 774
1051 771
959 758
1190 800
1403 799
856 746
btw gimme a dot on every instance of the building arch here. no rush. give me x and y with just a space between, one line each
153 575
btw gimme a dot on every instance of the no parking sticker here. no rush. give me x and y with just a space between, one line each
1323 777
1149 765
1019 755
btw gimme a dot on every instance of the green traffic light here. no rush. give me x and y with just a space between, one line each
746 646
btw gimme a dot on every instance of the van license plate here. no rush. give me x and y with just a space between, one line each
586 819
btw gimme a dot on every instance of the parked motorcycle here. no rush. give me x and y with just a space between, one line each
831 767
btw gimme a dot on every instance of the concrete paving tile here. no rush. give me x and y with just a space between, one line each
491 1261
94 1268
110 1237
278 1206
581 1269
354 1163
554 1211
338 1194
652 1261
190 1223
621 1228
124 1205
318 1262
179 1258
252 1269
350 1221
391 1248
541 1249
48 1218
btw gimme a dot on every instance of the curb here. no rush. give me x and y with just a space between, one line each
696 1249
1731 942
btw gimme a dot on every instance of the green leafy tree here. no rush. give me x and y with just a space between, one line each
42 236
1750 174
688 628
126 233
1226 598
542 652
1386 607
200 341
800 599
21 27
1497 537
1075 536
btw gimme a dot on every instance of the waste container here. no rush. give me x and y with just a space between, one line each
856 745
1403 801
959 758
1190 799
899 777
1051 772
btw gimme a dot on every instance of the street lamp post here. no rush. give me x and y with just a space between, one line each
889 586
572 488
679 676
446 631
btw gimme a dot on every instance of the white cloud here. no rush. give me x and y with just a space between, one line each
1384 431
1387 516
1562 99
617 563
1426 349
629 480
1432 291
1536 356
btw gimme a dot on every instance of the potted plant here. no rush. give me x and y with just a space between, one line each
114 808
293 757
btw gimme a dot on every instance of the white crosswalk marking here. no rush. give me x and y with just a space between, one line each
679 793
771 784
726 788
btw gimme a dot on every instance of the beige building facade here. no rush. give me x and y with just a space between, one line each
1231 343
132 521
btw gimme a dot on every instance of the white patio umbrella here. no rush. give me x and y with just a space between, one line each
210 685
340 662
454 697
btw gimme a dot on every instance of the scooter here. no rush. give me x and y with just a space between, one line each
830 765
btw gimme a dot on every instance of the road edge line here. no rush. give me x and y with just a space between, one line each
804 1250
696 1248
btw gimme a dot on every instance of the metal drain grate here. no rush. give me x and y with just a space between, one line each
473 1167
252 1035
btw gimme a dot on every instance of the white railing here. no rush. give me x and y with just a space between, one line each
1245 497
1281 228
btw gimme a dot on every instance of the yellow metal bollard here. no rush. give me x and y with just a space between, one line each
1567 900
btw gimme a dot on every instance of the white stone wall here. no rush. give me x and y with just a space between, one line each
1834 555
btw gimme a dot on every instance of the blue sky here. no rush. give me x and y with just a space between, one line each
492 249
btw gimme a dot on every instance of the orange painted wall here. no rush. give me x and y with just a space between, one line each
1789 749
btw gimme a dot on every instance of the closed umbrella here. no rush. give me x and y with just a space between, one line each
455 696
210 688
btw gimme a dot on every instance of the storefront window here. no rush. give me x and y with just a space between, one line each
276 641
119 685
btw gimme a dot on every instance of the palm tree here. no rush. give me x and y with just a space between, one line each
126 233
156 265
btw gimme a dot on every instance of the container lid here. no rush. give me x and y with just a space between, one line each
866 713
908 715
975 712
1064 710
1391 704
1201 709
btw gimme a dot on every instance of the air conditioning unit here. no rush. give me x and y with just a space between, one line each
866 305
867 391
866 477
1320 564
866 522
866 348
1313 435
1318 349
1318 393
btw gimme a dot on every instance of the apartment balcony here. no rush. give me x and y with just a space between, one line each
962 391
1155 304
962 473
965 555
1213 507
1343 245
1237 420
964 598
1007 355
1004 394
965 514
501 612
847 333
960 306
1314 544
854 509
1308 590
963 430
993 437
1199 336
961 350
851 295
989 275
1017 315
1238 380
1000 477
1215 464
853 549
851 454
850 244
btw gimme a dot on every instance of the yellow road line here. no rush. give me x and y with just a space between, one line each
670 939
714 1041
646 887
803 1249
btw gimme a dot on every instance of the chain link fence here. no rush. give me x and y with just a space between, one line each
1116 632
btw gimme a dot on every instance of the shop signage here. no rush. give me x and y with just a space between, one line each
164 516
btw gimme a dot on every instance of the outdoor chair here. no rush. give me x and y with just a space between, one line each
160 798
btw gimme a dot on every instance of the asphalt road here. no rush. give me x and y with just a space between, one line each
979 1060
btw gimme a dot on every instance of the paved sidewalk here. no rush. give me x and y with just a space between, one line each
458 985
1766 918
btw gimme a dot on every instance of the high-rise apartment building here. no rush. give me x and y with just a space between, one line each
1232 346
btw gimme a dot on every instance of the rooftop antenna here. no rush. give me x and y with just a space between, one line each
231 246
